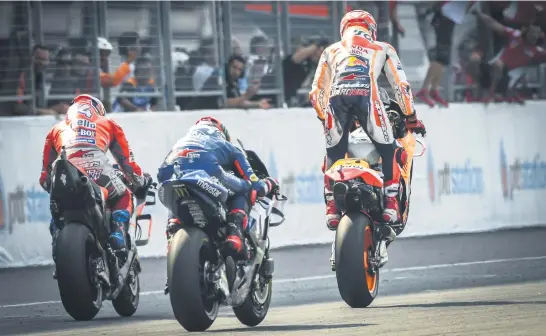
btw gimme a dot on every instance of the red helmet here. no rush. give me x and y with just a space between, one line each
359 18
211 121
94 103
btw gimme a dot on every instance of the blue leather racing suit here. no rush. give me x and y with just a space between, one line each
204 148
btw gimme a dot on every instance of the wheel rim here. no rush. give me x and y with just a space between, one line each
133 286
371 280
260 292
209 302
92 276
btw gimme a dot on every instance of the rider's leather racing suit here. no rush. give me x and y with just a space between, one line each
204 148
344 88
87 137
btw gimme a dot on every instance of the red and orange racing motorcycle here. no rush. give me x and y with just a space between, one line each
361 236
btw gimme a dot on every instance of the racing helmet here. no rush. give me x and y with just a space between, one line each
85 99
211 121
359 18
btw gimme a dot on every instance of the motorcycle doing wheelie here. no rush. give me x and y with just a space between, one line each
87 270
200 277
361 235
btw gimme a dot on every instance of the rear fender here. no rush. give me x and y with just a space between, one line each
369 176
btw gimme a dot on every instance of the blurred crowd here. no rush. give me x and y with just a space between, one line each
497 64
493 69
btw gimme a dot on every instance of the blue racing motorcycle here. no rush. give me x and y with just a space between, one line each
199 277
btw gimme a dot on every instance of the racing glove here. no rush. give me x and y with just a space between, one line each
272 185
141 191
415 125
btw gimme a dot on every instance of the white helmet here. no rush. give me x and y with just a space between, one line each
103 44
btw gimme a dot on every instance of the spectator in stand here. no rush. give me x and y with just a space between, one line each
520 50
206 73
80 80
129 49
393 12
22 81
142 82
446 15
257 62
298 66
122 72
235 69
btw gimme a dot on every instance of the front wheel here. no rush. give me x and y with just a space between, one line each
192 296
81 293
358 285
256 305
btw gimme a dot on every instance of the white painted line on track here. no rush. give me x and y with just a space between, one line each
329 276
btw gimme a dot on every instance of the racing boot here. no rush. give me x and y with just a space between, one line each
332 214
173 225
237 220
391 215
119 224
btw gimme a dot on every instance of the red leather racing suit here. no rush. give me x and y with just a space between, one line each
87 137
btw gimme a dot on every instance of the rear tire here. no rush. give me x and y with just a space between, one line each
353 243
74 250
190 249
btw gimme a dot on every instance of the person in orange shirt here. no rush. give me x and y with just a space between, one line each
87 135
122 72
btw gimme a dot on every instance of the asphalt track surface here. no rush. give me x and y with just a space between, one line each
472 284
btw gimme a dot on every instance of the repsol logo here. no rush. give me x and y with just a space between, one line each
208 188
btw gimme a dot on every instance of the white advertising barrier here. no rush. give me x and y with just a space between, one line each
484 170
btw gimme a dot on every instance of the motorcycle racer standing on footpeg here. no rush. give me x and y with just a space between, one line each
345 88
87 135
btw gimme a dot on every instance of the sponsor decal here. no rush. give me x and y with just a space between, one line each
357 61
83 140
466 179
254 178
86 124
381 115
88 133
26 205
208 188
94 174
353 76
89 164
86 111
81 154
358 50
521 174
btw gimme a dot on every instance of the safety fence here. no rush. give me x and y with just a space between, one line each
484 170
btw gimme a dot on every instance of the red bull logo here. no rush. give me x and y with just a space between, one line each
355 61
